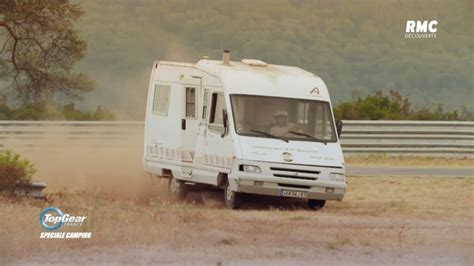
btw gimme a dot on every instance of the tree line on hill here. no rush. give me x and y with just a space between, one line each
376 106
52 111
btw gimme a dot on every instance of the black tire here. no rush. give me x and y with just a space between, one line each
177 189
233 200
316 204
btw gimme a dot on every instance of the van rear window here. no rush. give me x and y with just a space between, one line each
190 102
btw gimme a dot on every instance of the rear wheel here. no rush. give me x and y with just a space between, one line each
177 189
233 200
316 204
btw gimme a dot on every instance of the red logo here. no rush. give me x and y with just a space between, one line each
314 91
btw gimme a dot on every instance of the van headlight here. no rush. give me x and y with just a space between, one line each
250 168
337 176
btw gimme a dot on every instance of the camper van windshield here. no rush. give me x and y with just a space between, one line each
285 118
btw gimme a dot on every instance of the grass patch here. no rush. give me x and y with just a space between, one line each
402 160
227 241
300 218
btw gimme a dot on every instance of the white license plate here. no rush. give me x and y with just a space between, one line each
293 193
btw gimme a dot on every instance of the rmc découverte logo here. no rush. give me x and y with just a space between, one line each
421 29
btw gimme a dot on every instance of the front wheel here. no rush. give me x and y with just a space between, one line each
233 200
177 189
316 204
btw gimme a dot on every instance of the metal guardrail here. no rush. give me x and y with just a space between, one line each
55 136
428 138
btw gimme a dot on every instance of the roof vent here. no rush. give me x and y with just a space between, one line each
254 62
226 58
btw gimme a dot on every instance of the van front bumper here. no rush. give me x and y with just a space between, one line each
273 186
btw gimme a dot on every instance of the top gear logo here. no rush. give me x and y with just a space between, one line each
53 218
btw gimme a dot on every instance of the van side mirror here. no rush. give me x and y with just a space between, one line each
339 128
225 121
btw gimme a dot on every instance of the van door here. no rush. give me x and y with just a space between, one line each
202 131
189 129
213 152
218 146
200 172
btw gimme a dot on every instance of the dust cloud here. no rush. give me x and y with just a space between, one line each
103 164
125 95
110 165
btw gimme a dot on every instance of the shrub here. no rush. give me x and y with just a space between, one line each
14 170
378 106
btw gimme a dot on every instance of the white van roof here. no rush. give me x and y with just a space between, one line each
216 67
255 77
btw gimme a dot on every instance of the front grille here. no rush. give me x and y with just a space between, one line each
293 186
295 170
297 177
295 173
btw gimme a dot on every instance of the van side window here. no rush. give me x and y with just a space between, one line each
161 99
205 104
190 102
217 104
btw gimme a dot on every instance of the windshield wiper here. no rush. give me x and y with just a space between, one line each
268 135
309 136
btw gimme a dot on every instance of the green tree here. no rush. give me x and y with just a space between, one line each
39 48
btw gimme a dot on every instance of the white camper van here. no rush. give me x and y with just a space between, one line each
245 127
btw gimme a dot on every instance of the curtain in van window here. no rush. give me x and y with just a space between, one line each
220 104
161 99
190 102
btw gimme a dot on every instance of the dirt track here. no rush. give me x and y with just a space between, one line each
432 223
391 220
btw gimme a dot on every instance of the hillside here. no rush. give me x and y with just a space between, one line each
352 45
